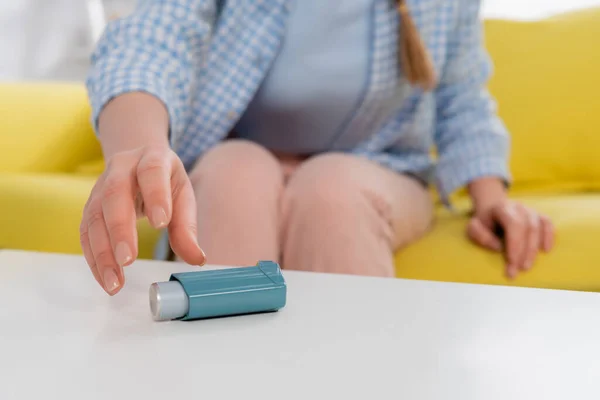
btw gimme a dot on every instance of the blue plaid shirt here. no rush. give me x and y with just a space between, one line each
205 59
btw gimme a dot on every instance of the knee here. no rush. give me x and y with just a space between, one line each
238 161
326 188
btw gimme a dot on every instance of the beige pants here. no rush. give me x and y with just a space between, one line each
330 213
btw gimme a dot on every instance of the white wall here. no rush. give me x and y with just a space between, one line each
532 9
43 38
51 39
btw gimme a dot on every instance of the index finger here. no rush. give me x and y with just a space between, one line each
514 231
154 180
118 207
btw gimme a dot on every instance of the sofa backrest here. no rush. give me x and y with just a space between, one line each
547 85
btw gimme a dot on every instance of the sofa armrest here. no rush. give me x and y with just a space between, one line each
45 127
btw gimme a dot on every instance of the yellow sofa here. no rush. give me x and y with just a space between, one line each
49 161
546 82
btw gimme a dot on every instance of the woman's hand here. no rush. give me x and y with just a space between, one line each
147 181
500 224
518 231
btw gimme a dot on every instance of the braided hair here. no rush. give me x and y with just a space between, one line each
413 55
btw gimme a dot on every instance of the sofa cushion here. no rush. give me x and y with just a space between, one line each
43 213
446 254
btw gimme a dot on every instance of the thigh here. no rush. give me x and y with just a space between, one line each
235 165
238 185
401 201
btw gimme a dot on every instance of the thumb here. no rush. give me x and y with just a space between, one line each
479 233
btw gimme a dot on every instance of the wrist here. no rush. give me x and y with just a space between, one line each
486 192
133 120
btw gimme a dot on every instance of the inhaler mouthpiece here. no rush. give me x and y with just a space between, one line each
168 301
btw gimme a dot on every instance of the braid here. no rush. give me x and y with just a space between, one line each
414 57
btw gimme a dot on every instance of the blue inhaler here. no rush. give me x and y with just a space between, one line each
219 293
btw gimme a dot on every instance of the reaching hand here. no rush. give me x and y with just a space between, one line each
524 232
149 181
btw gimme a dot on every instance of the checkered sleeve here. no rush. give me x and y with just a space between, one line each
153 50
471 140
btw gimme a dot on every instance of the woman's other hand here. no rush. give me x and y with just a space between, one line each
507 226
518 231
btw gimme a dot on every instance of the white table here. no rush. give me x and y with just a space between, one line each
339 337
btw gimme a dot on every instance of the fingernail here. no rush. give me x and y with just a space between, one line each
111 281
123 254
195 239
159 217
203 256
511 271
528 264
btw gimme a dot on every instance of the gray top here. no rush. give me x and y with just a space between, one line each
317 79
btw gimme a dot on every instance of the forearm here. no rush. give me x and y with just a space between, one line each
472 142
142 72
132 120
